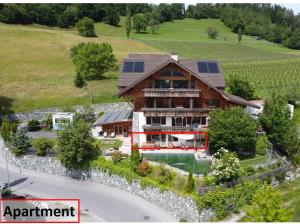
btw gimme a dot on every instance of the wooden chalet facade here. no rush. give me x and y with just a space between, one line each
171 94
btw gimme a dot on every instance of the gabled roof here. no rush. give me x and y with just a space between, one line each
153 61
239 100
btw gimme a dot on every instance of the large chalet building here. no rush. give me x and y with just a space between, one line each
167 95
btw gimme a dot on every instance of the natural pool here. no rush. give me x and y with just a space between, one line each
184 161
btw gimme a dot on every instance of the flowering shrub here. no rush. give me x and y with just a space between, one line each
225 166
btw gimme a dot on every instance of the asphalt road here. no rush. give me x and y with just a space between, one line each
108 204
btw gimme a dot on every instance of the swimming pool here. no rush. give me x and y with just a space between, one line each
184 161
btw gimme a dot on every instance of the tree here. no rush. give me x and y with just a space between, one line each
112 17
128 20
41 146
280 129
20 142
92 60
241 88
139 23
190 185
86 27
212 32
153 24
68 18
267 206
225 166
165 12
240 34
79 81
75 146
135 157
7 128
233 129
262 144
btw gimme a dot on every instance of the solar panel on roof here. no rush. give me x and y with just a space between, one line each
213 67
202 67
128 66
138 67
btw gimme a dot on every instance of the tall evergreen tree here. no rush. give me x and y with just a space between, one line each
128 20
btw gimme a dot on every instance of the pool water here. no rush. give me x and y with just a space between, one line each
186 162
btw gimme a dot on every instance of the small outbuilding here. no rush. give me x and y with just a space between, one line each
60 120
117 122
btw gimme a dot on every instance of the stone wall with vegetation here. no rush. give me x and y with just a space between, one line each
182 208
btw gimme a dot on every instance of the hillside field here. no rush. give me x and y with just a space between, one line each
36 70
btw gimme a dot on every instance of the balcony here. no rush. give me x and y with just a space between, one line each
177 112
148 92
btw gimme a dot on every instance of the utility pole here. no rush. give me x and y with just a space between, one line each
6 152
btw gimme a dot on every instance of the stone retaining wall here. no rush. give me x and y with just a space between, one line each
41 113
183 208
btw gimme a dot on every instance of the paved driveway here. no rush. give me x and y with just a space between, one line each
41 134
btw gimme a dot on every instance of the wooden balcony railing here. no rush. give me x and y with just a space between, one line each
175 111
149 92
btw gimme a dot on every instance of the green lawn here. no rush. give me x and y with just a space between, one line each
250 162
36 69
291 197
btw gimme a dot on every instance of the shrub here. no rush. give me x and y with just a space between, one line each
6 192
6 128
162 174
41 146
190 185
212 32
241 88
116 156
250 170
225 166
280 177
79 81
86 27
135 157
179 182
209 180
34 125
20 142
47 122
267 206
262 145
143 168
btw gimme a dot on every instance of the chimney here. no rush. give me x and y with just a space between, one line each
174 56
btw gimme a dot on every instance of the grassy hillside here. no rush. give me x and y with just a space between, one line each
270 67
36 69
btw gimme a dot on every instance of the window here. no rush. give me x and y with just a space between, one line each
203 120
213 102
155 138
165 73
148 138
163 137
180 84
193 84
149 83
148 120
208 67
177 73
196 120
163 120
164 84
155 120
133 66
